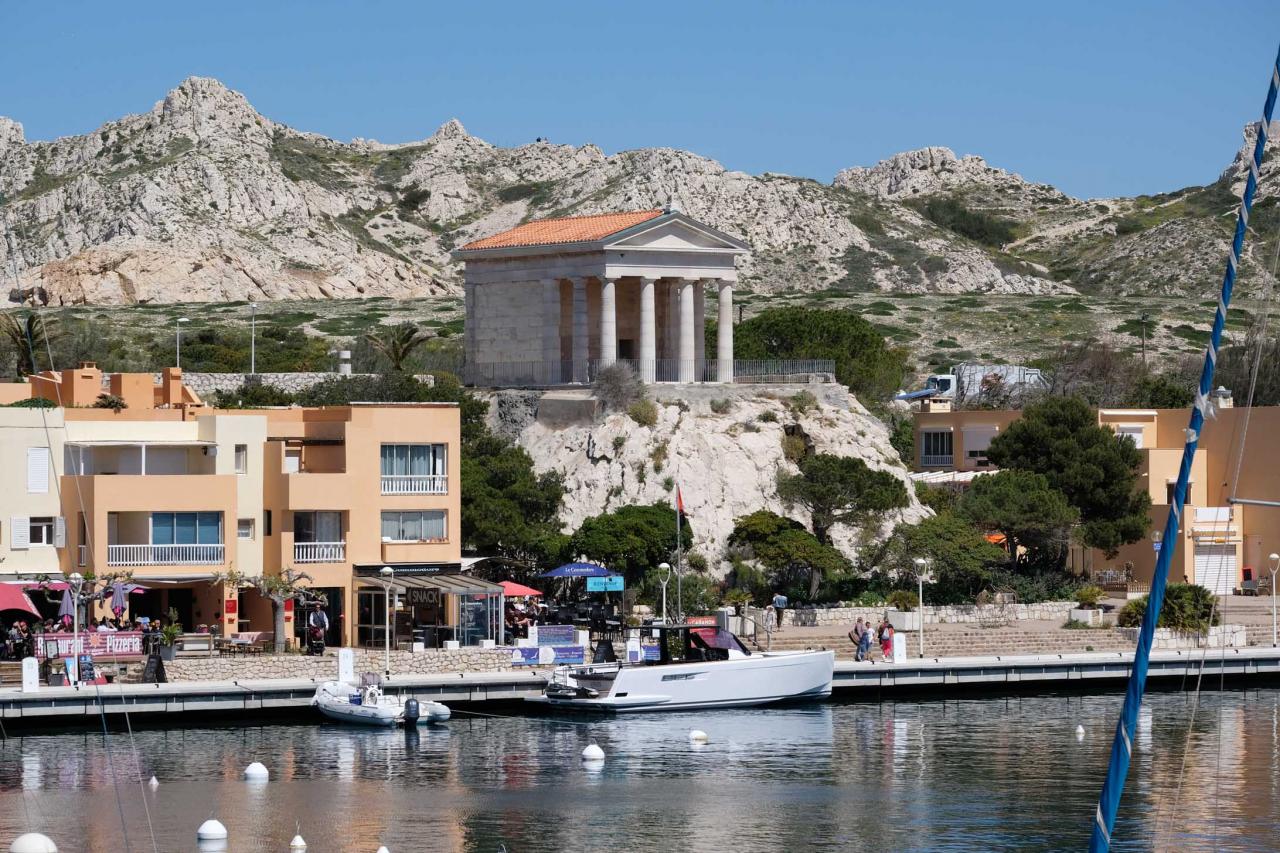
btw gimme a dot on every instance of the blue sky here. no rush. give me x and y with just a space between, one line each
1097 98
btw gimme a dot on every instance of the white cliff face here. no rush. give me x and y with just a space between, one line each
726 465
203 199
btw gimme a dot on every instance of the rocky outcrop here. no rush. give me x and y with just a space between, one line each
203 199
726 464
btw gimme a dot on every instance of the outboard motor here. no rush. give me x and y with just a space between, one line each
411 711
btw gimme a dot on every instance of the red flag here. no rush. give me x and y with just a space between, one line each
679 501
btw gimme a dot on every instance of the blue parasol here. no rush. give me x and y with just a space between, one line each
578 570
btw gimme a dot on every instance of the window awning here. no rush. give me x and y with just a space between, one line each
457 584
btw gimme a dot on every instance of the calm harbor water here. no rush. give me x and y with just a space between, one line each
973 774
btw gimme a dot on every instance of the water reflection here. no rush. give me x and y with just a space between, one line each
999 774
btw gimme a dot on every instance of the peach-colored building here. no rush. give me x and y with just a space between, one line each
181 495
1218 540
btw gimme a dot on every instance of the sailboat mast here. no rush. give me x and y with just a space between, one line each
1122 744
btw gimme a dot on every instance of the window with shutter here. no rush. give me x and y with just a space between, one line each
59 532
20 532
37 470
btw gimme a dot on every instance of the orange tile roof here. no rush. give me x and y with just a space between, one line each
568 229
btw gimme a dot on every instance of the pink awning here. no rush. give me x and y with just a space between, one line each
511 589
15 598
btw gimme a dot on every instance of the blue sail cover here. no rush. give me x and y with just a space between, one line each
1122 744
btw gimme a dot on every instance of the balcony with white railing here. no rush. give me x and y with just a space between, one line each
415 484
165 555
319 552
928 460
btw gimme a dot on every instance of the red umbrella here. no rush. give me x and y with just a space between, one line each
13 597
511 589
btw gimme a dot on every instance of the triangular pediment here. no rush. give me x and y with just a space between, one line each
675 234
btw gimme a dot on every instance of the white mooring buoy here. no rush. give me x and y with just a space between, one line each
33 842
153 783
593 753
1079 732
211 830
257 771
698 736
297 843
383 850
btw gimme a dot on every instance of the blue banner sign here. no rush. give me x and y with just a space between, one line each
525 656
569 654
556 635
610 584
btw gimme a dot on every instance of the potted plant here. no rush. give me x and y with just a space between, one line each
169 635
902 613
1086 609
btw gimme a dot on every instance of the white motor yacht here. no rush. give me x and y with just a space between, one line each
690 666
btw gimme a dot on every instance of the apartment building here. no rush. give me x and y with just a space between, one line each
181 495
1218 540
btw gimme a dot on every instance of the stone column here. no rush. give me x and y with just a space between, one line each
724 334
608 322
551 368
685 370
648 331
580 331
699 330
671 334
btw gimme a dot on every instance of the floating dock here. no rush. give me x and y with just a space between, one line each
259 700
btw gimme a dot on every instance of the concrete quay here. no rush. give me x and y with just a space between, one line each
256 701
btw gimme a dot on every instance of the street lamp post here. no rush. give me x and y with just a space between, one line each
1275 566
181 320
253 338
387 574
77 584
922 569
665 569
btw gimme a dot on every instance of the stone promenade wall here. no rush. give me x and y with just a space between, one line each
948 614
1230 636
430 662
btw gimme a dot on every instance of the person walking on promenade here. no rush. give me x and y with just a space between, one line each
886 639
855 636
779 605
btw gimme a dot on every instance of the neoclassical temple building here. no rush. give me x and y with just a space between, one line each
554 300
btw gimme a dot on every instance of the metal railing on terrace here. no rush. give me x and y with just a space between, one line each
543 374
319 552
930 459
165 555
415 484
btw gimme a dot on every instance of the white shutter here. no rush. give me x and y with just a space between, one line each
20 532
59 532
37 470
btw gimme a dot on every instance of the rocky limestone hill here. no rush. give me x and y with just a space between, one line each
726 465
203 199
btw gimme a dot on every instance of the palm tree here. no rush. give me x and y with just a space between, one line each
28 337
397 343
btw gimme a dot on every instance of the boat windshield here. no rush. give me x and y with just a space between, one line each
718 638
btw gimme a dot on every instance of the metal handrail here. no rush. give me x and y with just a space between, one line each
768 632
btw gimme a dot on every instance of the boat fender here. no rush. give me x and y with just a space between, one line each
33 842
411 711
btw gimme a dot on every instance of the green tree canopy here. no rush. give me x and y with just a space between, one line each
397 342
1162 392
959 556
27 338
1023 507
840 490
1094 468
793 558
631 539
864 362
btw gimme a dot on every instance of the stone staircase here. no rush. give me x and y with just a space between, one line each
973 641
10 673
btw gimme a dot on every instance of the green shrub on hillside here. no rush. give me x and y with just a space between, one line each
974 224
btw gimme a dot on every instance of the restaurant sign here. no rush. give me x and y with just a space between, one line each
104 645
